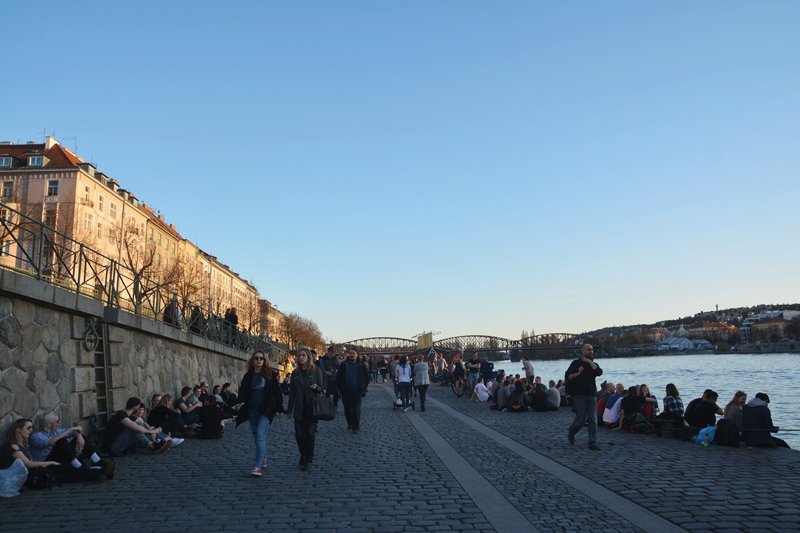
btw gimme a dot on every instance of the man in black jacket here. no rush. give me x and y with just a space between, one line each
701 412
328 364
580 378
757 423
352 379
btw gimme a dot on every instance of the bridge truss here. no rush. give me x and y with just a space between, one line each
548 345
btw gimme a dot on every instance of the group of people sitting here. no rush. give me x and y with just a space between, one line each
635 409
517 394
55 454
195 413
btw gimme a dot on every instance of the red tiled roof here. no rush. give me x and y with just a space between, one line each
57 155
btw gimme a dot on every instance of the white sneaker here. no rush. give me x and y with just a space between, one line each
176 441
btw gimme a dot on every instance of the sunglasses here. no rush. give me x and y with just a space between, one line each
258 358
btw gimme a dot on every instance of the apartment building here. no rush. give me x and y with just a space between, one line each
52 185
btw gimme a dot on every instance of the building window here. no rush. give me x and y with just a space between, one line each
100 203
112 210
5 248
50 218
8 189
35 161
52 188
5 162
4 214
87 221
110 236
99 230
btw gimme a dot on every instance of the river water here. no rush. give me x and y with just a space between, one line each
775 374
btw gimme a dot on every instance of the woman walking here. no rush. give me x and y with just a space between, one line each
260 394
306 382
404 375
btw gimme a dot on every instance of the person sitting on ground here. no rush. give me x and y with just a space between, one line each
189 412
481 393
166 417
197 394
162 435
757 423
733 411
504 395
537 396
123 433
78 459
631 406
553 397
516 400
211 418
228 396
672 415
650 403
606 390
701 412
16 449
611 412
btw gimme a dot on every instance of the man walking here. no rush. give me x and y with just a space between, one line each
352 380
328 364
580 378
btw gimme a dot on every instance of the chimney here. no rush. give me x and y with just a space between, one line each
113 184
49 142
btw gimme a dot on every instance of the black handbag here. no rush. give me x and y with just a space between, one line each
324 408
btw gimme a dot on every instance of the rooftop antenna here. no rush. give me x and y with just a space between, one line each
74 143
44 134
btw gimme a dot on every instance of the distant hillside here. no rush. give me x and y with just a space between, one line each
733 315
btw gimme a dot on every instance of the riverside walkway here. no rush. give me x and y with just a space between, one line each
456 467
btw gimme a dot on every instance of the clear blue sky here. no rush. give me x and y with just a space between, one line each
386 168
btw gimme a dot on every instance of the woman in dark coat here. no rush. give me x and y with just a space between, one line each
306 382
261 398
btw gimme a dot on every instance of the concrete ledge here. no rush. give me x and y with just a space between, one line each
18 285
22 286
124 319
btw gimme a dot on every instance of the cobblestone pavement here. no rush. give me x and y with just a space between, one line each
699 489
388 478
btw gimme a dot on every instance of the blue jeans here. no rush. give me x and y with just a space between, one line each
260 425
473 380
585 409
127 439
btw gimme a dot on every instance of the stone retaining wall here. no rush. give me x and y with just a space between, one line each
45 365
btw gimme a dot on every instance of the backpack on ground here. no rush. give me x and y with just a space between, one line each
727 434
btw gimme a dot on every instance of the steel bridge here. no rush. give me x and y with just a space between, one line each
548 345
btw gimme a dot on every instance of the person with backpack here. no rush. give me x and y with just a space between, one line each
580 378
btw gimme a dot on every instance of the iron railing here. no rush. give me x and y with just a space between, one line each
30 247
